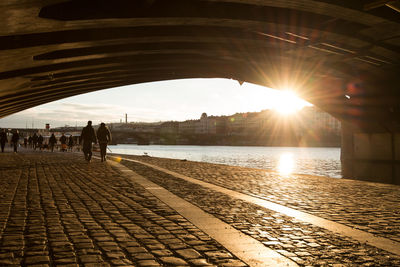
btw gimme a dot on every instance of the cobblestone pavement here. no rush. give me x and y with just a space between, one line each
302 242
57 210
371 207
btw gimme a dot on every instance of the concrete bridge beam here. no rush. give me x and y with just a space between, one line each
370 155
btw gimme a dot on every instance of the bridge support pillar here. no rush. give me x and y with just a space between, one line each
370 156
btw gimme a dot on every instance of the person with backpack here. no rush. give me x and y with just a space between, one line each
103 137
63 140
88 136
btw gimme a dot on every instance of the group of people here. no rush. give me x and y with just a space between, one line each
89 136
63 140
14 140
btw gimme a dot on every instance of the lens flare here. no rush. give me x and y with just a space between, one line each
286 164
289 103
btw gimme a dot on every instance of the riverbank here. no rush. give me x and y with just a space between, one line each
349 202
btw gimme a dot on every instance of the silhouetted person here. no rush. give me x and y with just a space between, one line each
34 140
25 142
52 141
88 136
63 140
15 140
103 137
70 142
30 141
3 139
40 141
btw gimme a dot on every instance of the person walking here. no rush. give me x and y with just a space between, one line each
52 141
88 136
103 137
34 141
30 141
70 142
3 139
63 140
15 140
40 142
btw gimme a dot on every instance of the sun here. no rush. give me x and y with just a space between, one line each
288 103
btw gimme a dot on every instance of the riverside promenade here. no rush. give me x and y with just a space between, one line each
58 210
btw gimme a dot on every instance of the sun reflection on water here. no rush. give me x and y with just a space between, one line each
286 164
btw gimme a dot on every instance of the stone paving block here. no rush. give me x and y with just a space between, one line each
199 262
6 255
173 261
162 253
205 248
156 246
121 262
82 245
218 254
195 242
142 256
188 253
91 259
133 250
37 259
65 261
115 255
131 244
10 262
175 246
148 263
36 253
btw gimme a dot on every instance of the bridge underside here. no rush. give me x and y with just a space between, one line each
342 56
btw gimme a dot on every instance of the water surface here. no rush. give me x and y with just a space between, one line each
323 161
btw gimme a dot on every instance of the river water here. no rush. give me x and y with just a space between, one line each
322 161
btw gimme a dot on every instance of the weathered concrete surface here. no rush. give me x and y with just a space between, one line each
342 56
370 155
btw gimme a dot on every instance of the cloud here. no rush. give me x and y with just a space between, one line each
76 106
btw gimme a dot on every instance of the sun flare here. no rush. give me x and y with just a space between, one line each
288 103
286 164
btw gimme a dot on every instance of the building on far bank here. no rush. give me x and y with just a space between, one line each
315 118
169 127
187 127
310 126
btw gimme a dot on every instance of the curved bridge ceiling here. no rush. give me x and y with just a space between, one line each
343 56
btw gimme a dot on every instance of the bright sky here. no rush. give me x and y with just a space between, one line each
176 100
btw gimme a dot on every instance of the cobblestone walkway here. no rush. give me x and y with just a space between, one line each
305 244
371 207
57 210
